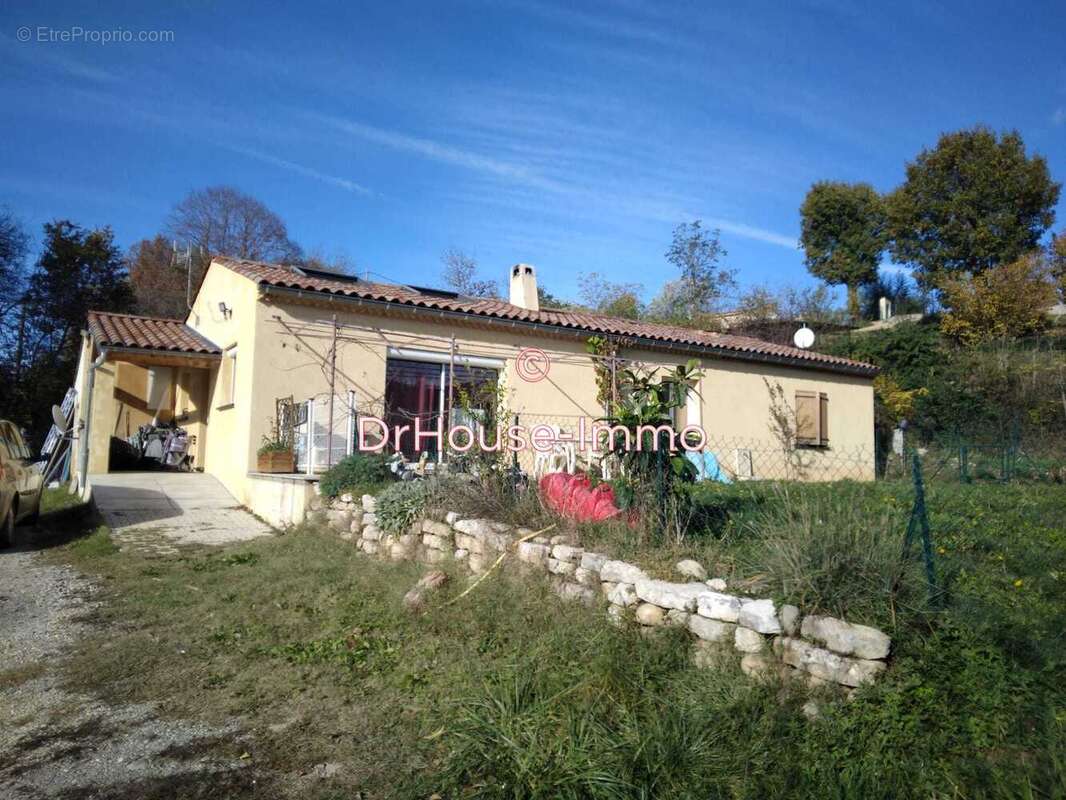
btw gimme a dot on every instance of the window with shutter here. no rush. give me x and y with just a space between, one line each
808 418
812 419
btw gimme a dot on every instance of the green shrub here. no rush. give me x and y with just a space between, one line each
358 470
402 503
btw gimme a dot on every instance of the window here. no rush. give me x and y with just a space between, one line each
227 378
812 419
416 390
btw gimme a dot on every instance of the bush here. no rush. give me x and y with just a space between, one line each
357 470
826 553
1008 300
403 503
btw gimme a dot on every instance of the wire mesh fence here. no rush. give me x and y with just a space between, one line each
974 459
575 442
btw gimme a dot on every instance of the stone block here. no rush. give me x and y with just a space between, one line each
623 594
436 542
533 553
827 665
845 638
790 619
649 614
748 641
566 552
691 569
436 528
676 618
682 596
714 605
593 561
621 572
557 567
759 615
711 630
587 577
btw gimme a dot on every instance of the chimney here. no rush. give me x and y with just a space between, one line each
524 287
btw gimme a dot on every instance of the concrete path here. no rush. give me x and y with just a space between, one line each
185 507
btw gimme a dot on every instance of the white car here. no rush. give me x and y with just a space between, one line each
20 483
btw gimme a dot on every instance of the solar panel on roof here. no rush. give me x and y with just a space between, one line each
326 274
435 292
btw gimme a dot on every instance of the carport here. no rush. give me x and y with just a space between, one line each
137 370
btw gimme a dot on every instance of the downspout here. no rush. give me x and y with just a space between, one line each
83 456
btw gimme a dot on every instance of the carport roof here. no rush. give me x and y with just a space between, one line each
148 333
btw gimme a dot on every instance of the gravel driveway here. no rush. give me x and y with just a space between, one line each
59 744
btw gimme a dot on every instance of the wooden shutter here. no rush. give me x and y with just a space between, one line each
823 419
808 418
812 419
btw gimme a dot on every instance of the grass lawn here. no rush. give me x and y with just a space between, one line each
511 693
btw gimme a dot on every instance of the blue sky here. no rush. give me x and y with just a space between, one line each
571 136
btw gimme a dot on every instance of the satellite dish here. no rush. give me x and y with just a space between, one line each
803 338
59 419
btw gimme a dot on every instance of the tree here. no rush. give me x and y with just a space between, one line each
703 281
336 262
159 273
1004 301
843 235
974 202
14 246
221 220
906 298
759 304
546 299
1057 262
612 299
460 274
78 270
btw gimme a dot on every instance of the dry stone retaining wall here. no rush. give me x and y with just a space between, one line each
766 636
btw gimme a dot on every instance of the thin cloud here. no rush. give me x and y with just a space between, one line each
1059 117
438 151
642 206
37 55
300 169
753 232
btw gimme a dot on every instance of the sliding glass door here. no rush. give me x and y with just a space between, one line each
415 390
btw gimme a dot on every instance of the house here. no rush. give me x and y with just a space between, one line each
321 353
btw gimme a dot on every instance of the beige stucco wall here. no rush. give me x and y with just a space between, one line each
283 350
292 354
279 500
225 439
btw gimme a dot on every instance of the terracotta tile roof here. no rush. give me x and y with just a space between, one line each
743 347
149 333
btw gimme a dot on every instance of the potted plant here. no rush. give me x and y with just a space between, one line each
276 455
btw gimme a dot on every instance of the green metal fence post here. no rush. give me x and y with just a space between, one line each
920 520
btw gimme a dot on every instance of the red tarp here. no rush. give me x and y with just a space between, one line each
574 496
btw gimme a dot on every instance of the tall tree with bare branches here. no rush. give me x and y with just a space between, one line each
225 221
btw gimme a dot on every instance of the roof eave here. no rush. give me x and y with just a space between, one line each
643 342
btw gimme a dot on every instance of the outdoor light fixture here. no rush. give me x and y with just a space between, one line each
226 310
